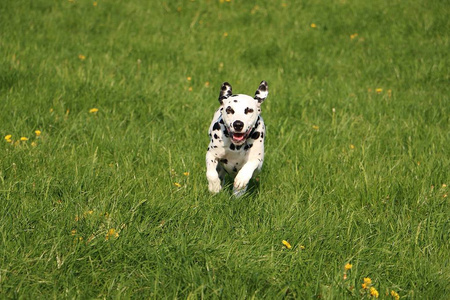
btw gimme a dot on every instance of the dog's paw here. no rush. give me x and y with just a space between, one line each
214 186
241 181
239 193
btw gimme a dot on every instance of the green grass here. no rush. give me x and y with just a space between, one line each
352 174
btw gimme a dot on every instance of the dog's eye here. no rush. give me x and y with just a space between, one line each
248 110
229 110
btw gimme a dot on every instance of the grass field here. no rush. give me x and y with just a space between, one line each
104 112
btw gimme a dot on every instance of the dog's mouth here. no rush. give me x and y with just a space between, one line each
238 137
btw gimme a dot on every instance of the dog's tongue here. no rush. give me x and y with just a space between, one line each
238 137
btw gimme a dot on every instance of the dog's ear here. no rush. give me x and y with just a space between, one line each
225 92
262 92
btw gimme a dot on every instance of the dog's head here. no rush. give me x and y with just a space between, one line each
240 112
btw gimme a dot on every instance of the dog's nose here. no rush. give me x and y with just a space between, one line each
238 125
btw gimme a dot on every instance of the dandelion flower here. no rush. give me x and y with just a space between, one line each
313 25
207 84
225 34
81 57
395 295
24 139
315 127
95 3
37 132
348 266
302 247
33 144
8 137
190 89
379 90
367 280
189 78
374 292
93 110
352 146
186 173
73 231
286 244
177 184
353 36
112 233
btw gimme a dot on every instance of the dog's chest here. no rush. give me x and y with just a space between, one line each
234 160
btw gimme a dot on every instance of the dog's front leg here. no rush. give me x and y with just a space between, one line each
214 185
244 176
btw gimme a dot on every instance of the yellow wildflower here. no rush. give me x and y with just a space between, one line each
367 280
33 144
374 292
302 247
395 295
315 127
95 3
190 89
81 57
353 36
186 173
93 110
352 146
37 132
313 25
207 84
112 233
286 244
225 34
73 231
364 286
189 78
8 137
24 138
348 266
379 90
177 184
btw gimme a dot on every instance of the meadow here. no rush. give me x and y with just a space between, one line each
104 113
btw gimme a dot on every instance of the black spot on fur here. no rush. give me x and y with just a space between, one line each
216 126
232 147
225 133
235 100
235 170
238 148
255 135
215 136
248 147
262 135
248 110
229 110
221 121
224 160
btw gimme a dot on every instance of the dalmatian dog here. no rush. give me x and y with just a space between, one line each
236 135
